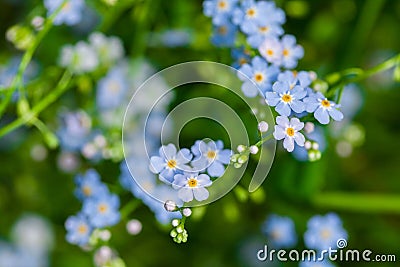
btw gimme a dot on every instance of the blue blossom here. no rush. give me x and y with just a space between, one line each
323 232
252 13
219 10
285 98
260 73
80 58
109 49
291 52
102 211
111 89
280 231
169 162
289 131
301 78
191 184
211 156
240 56
89 185
323 108
256 34
78 230
71 11
75 130
271 49
224 35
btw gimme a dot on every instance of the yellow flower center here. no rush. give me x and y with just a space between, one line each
171 164
325 234
66 6
325 103
211 154
270 52
222 30
263 29
258 77
290 131
192 182
294 73
285 52
114 87
87 191
242 61
286 98
82 229
251 12
222 5
103 208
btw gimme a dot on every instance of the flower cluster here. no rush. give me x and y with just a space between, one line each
99 210
292 93
323 232
189 171
71 11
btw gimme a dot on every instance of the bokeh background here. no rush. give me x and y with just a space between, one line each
357 177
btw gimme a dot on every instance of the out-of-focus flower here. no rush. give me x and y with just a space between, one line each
280 231
109 49
78 230
102 211
112 89
89 185
224 35
75 130
219 10
80 58
71 11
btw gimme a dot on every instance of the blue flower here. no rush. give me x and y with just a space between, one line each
219 10
301 78
211 156
192 184
224 35
111 90
89 185
75 130
70 14
271 49
285 98
78 230
241 56
170 162
102 211
289 131
323 232
260 73
322 108
256 34
280 231
291 52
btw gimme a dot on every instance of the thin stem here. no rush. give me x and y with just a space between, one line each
264 139
17 82
129 208
359 202
61 87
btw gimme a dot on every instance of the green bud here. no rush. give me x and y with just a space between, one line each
320 86
235 157
22 37
180 228
242 159
237 165
173 233
117 262
314 155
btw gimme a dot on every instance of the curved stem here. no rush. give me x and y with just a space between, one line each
17 82
61 87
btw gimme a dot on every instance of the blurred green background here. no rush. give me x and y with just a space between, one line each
335 35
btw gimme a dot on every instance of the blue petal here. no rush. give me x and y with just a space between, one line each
322 115
216 169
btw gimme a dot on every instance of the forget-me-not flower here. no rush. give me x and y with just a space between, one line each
169 162
260 73
78 230
252 13
323 108
102 211
192 184
219 10
271 49
286 99
289 131
301 78
75 130
89 185
71 11
256 34
323 232
280 231
291 52
111 89
224 35
240 56
211 156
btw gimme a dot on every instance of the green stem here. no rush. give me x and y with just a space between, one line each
26 59
358 202
61 87
359 75
129 208
263 140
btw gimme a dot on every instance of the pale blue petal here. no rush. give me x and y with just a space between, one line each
224 156
249 89
322 115
336 114
288 144
186 194
201 193
157 164
279 132
216 169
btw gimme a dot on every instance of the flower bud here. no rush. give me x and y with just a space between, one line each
170 205
175 222
242 159
263 126
309 127
254 150
134 227
187 212
241 148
